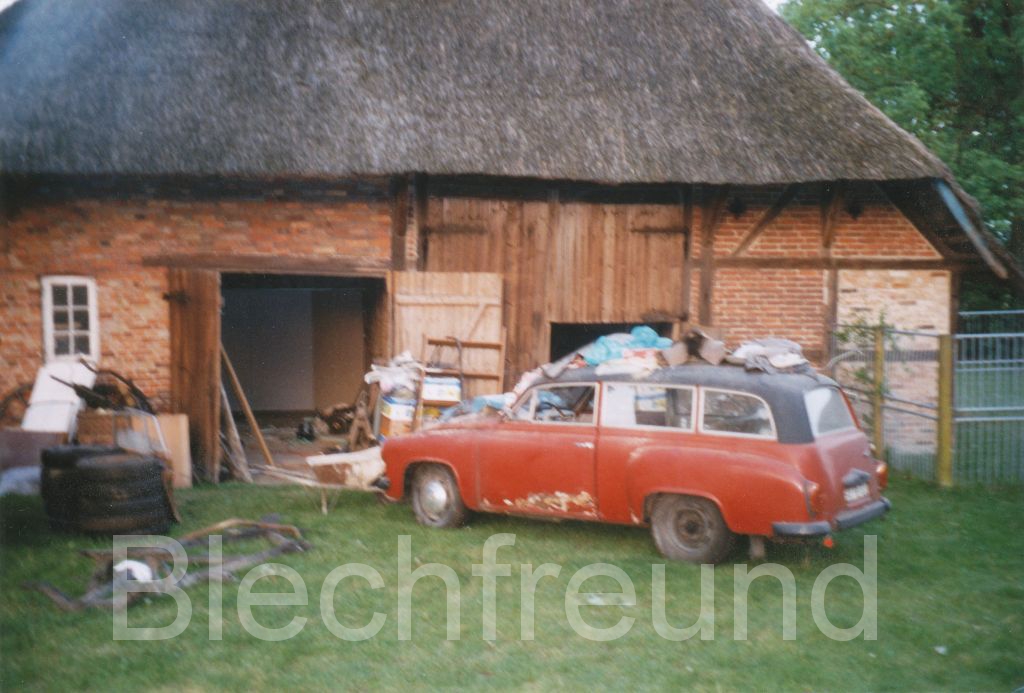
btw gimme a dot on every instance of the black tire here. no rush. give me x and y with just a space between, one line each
96 508
114 491
66 456
60 497
151 522
690 529
119 467
436 501
105 492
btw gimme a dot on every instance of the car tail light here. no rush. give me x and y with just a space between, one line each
815 502
882 473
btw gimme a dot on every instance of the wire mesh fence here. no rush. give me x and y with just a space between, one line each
893 377
990 407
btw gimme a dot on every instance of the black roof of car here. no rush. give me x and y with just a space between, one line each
784 392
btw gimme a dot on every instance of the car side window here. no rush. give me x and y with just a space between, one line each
572 404
630 405
735 413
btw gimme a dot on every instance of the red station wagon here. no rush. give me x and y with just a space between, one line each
699 453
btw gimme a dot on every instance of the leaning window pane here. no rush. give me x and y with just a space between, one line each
680 408
80 296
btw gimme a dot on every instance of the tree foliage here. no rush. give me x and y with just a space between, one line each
949 71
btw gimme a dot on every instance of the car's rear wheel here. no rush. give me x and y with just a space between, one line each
435 497
691 529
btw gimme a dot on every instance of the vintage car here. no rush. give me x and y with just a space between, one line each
700 453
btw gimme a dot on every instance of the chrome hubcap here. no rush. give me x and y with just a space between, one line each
434 499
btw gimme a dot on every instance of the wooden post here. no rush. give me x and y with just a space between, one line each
235 455
944 455
246 409
878 393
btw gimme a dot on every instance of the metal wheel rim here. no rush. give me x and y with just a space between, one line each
692 528
434 498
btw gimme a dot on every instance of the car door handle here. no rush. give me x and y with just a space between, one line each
585 446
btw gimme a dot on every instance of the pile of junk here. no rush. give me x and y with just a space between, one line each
87 439
407 394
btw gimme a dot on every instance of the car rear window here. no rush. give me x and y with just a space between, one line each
631 405
827 411
735 413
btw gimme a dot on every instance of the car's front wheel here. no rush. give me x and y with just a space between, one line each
435 497
691 529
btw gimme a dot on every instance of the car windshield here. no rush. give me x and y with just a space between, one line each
558 404
827 411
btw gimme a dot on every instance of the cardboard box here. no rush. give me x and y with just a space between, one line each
442 390
396 416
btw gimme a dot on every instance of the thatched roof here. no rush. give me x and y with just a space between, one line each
713 91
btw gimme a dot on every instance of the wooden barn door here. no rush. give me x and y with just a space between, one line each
431 309
195 304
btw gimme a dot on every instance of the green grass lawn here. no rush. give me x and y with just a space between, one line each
950 576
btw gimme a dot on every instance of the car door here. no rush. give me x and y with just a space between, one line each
540 460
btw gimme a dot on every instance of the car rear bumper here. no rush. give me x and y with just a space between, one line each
843 520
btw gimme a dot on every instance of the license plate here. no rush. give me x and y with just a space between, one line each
855 493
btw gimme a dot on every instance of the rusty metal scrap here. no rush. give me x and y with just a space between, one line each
99 593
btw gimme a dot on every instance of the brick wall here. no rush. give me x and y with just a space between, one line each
793 303
771 303
106 233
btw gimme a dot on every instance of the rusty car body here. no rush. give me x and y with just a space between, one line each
700 453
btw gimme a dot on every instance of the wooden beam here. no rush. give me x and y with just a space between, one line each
272 264
416 222
399 220
686 201
712 211
832 315
977 237
823 263
832 200
246 409
909 210
787 195
955 287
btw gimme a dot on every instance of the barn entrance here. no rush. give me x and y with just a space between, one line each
298 343
569 337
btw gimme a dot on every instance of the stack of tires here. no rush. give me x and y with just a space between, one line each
104 490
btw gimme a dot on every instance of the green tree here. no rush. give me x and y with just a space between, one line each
952 73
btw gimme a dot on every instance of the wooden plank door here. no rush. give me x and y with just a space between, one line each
438 305
195 305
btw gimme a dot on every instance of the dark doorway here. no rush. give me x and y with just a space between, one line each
298 343
567 337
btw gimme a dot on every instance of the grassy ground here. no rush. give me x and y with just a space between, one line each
950 607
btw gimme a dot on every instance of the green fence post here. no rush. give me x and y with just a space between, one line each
944 455
878 393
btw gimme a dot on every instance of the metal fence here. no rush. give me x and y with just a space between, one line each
975 322
947 408
989 405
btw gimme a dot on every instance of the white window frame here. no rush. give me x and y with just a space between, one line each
664 386
774 435
49 339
